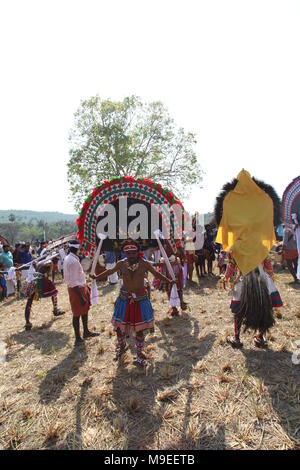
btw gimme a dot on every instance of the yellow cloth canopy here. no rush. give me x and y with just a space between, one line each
247 224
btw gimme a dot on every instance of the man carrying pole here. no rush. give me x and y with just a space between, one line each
133 309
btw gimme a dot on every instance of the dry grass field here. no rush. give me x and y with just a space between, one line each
196 392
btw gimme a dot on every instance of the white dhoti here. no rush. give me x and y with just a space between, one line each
184 273
24 274
114 278
11 281
10 285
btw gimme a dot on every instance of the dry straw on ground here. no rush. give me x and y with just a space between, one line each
196 392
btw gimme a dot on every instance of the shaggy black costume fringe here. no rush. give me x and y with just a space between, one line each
255 310
218 210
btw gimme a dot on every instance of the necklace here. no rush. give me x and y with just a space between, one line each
133 267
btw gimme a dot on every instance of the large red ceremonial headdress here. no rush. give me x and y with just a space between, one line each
142 191
291 201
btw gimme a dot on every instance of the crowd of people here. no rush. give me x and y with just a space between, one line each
191 259
133 310
30 271
14 265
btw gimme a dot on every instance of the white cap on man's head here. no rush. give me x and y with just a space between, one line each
74 244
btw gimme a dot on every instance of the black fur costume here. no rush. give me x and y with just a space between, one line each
255 310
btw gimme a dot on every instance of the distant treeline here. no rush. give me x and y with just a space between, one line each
15 231
34 228
34 217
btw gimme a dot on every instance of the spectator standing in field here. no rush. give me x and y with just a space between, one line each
16 254
54 267
290 252
165 286
42 249
7 261
3 289
25 254
200 263
209 249
191 258
25 257
6 257
79 292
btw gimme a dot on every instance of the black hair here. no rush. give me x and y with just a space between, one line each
255 310
218 210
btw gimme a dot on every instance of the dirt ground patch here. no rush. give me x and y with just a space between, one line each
196 392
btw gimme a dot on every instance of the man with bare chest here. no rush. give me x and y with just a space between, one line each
133 309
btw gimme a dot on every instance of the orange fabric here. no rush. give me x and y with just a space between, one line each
77 308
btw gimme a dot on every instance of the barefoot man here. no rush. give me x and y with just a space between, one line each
133 309
79 292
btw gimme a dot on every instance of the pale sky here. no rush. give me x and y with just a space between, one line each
229 71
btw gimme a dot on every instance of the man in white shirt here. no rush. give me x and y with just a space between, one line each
79 292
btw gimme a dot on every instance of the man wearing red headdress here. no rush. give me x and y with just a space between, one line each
133 309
